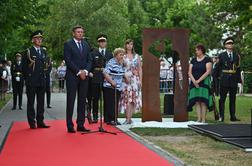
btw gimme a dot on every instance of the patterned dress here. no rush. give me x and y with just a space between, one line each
203 93
131 92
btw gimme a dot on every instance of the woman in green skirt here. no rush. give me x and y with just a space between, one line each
200 92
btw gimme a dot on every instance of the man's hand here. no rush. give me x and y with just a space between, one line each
82 75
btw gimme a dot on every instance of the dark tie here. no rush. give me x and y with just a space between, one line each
80 46
39 52
102 52
231 57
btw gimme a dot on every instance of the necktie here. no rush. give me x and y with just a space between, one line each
230 56
39 52
102 52
80 46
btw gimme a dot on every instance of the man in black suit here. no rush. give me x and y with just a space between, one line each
100 57
17 81
78 62
34 62
229 72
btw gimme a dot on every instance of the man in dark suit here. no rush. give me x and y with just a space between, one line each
229 72
34 62
17 81
100 57
78 62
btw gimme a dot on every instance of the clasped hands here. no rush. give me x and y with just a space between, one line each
82 75
196 83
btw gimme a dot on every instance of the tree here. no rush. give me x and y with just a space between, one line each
106 16
17 20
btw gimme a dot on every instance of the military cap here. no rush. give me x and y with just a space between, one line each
101 37
18 54
37 33
228 40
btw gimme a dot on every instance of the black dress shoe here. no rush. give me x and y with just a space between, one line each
234 119
112 123
20 108
43 126
33 126
71 130
82 129
49 106
95 121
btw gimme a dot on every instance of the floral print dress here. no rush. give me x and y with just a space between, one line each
131 92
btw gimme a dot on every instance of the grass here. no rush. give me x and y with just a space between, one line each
196 149
243 110
4 101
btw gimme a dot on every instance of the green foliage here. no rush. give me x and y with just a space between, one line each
18 19
122 19
106 16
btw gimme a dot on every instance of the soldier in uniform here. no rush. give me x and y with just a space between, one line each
100 56
34 67
17 81
229 73
48 80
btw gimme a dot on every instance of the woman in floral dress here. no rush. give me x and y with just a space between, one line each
131 99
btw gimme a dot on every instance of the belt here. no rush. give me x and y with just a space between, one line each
98 69
18 73
229 71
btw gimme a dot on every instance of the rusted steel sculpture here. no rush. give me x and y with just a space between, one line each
151 69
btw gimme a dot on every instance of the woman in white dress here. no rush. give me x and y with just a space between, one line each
131 99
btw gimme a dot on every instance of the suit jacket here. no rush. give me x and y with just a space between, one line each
225 63
17 70
76 60
34 67
99 61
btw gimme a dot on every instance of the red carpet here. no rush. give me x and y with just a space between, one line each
56 147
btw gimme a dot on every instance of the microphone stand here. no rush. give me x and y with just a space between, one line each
100 128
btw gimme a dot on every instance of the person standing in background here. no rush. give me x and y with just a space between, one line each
17 81
61 73
199 72
8 68
131 99
100 57
228 70
48 81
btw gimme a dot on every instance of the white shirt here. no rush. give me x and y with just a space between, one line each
76 42
37 49
228 52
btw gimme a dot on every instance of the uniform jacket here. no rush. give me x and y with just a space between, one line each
98 62
34 66
226 63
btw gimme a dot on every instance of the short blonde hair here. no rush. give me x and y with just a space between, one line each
118 51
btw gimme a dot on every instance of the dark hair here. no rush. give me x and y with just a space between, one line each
76 27
201 47
127 42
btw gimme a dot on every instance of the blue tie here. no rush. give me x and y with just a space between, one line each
102 52
80 46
